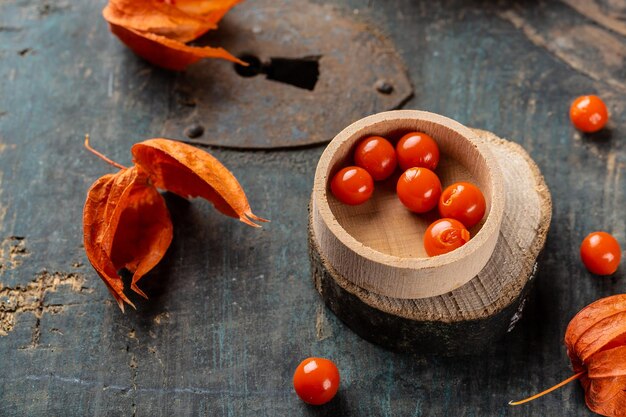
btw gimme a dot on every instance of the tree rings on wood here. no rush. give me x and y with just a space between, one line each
475 315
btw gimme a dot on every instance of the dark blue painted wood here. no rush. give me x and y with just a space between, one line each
232 310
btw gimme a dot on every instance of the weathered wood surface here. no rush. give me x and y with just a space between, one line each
233 310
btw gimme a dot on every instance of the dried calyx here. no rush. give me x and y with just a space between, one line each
126 223
596 345
159 30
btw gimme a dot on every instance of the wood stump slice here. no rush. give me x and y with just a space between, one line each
475 315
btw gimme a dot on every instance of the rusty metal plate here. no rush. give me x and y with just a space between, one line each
360 73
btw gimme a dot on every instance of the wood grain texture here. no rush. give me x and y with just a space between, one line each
609 14
589 41
475 315
232 312
349 238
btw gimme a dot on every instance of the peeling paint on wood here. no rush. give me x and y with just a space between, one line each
31 299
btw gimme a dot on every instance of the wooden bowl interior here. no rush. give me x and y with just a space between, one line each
383 223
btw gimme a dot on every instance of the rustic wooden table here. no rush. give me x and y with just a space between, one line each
232 310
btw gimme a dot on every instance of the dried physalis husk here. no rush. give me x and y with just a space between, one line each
126 223
596 345
159 30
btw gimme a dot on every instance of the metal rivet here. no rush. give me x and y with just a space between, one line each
383 87
194 131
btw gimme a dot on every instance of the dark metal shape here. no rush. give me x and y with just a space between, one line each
194 131
320 68
254 67
299 72
383 87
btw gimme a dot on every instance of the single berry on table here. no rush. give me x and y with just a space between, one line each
588 113
601 253
316 380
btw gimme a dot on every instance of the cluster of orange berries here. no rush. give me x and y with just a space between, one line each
316 380
461 205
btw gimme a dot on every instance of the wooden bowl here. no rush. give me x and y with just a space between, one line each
378 245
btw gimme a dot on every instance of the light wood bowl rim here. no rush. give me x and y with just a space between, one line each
490 228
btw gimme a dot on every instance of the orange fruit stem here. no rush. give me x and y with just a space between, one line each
101 156
549 390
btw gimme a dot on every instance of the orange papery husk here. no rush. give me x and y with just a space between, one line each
596 345
167 53
159 30
190 172
126 224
